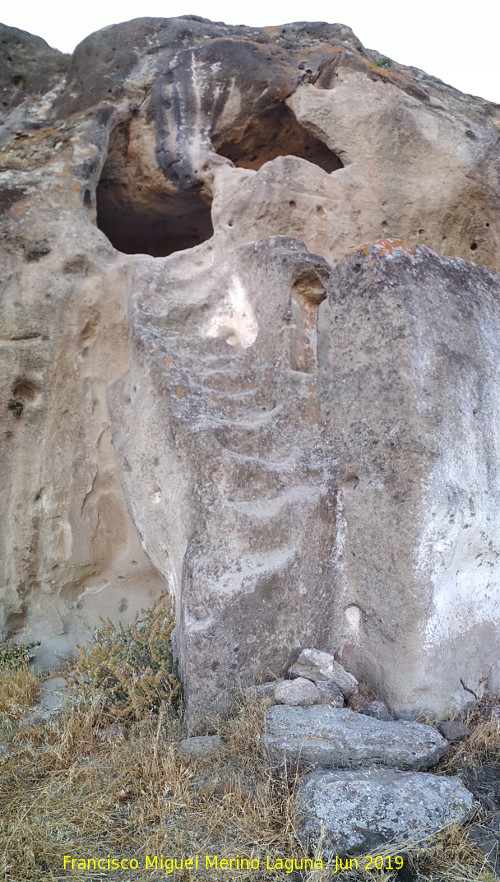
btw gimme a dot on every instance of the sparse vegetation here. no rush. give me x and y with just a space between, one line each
129 670
19 685
16 656
384 63
82 788
483 744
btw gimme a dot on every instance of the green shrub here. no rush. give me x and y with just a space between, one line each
16 657
384 62
129 669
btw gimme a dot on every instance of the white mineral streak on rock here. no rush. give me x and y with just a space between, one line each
235 313
180 409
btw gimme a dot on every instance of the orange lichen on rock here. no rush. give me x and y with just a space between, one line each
385 247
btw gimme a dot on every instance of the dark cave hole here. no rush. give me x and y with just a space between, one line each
141 216
159 226
275 133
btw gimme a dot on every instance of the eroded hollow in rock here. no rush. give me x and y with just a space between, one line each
140 212
157 227
275 133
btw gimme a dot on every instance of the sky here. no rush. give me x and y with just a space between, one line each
456 42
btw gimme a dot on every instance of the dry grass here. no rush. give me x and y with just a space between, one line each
483 744
19 690
72 788
450 856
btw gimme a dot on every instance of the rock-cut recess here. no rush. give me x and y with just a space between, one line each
138 212
275 133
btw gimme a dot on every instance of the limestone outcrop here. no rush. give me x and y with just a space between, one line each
211 383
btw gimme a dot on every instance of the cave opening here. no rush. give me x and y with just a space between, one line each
159 226
275 133
140 212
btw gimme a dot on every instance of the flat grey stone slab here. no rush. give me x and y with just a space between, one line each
361 810
341 738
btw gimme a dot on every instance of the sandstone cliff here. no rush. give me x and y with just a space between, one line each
211 382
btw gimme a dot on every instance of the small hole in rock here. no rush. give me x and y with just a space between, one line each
473 247
24 390
351 481
292 204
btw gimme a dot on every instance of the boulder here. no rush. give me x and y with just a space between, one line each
341 738
316 665
380 711
330 693
416 437
453 730
297 692
358 812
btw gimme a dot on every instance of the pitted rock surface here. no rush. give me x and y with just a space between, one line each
210 384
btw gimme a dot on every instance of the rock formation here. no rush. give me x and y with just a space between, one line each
211 383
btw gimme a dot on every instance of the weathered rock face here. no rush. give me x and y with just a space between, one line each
303 457
357 812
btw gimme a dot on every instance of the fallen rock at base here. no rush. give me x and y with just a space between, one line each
330 693
56 695
297 692
453 730
361 810
265 690
380 711
340 738
199 745
315 665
